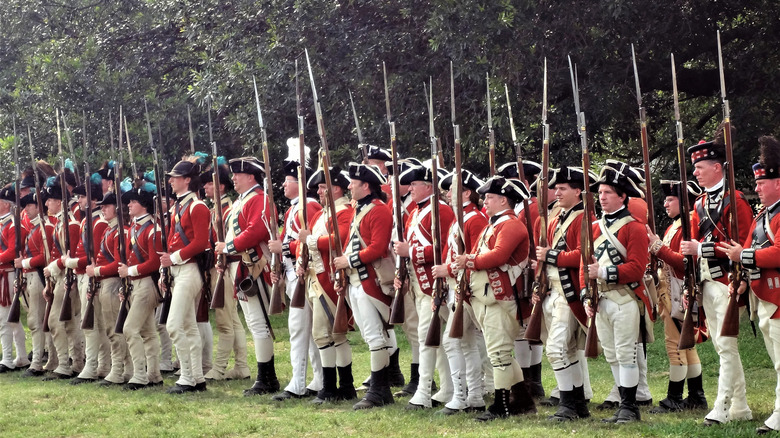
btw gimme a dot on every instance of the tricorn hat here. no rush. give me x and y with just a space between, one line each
186 168
337 177
109 199
96 191
250 165
570 175
377 153
530 168
367 173
469 180
403 165
513 189
672 188
27 199
7 193
618 174
224 177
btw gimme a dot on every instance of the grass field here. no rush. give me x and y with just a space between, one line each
31 408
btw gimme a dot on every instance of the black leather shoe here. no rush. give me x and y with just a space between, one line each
472 409
200 387
608 405
644 402
79 381
414 407
447 411
180 389
709 422
549 402
33 373
153 384
764 429
5 369
56 376
133 386
107 383
285 395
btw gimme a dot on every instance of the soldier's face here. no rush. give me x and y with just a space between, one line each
32 210
5 207
495 204
359 189
82 202
135 209
208 189
54 206
768 191
179 184
420 190
109 211
322 189
243 181
609 199
566 196
708 173
290 186
672 206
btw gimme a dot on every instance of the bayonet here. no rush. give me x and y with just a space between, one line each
192 135
130 152
491 132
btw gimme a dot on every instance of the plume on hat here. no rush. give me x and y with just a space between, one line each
294 151
769 155
719 136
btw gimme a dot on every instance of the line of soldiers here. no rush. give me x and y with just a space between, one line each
492 354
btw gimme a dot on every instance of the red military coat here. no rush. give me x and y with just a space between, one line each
671 254
570 257
474 221
374 228
193 216
325 243
254 219
419 232
765 258
99 228
143 245
35 254
107 256
293 224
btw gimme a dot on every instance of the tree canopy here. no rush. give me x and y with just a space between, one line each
95 55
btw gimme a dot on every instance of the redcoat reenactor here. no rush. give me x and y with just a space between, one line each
105 271
709 222
143 245
188 238
302 347
98 351
246 245
624 308
67 336
106 173
683 364
11 334
493 267
230 330
462 354
564 315
366 259
528 355
334 349
418 247
32 263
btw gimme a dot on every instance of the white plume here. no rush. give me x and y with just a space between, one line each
293 151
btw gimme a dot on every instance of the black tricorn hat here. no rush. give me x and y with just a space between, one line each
250 165
107 171
367 173
469 180
337 177
513 189
27 199
109 199
185 169
570 175
618 174
403 165
96 192
54 191
530 168
416 173
224 177
144 197
377 153
672 188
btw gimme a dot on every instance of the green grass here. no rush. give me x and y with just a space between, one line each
31 408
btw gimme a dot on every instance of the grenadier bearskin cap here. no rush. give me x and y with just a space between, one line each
377 153
469 180
338 177
570 175
367 173
672 188
250 165
513 189
768 166
618 174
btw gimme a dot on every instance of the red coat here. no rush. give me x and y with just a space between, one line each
744 217
146 243
227 204
290 247
195 223
374 228
472 228
508 244
421 252
671 254
35 256
99 227
107 255
254 218
768 261
633 236
325 245
8 236
73 231
569 258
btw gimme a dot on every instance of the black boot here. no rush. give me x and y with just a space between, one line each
378 393
499 408
567 410
395 377
629 411
329 391
673 401
535 381
266 380
411 386
614 416
346 383
696 398
521 400
580 403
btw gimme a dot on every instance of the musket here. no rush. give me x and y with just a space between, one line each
361 143
66 311
88 321
340 323
397 309
298 299
439 295
491 131
592 293
456 328
528 276
276 262
19 280
206 295
691 281
218 296
48 290
125 286
130 154
731 318
533 331
70 146
192 135
652 267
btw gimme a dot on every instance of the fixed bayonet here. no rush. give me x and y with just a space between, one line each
192 135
